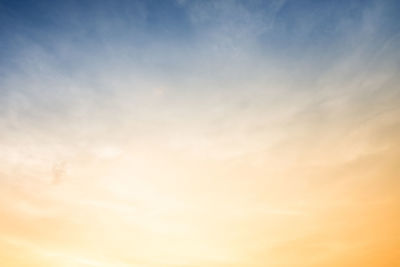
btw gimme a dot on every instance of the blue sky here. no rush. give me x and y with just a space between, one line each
286 26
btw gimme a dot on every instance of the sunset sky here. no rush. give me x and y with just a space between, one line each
197 133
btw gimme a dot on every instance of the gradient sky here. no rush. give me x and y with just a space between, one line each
199 133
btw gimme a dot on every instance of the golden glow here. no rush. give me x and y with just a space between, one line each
183 197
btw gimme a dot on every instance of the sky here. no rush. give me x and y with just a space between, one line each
191 133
